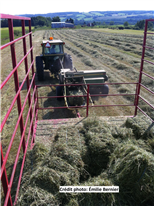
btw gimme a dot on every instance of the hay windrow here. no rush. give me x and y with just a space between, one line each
92 154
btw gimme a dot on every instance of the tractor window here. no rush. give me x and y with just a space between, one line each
54 49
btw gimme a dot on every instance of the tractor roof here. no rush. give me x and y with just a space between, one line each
53 41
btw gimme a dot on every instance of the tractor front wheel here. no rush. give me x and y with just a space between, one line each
68 63
39 68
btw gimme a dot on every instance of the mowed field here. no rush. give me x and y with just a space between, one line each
119 54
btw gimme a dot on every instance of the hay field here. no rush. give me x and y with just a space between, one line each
125 31
118 54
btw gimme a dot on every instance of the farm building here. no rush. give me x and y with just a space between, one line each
61 25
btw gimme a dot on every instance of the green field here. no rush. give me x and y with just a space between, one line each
17 33
124 31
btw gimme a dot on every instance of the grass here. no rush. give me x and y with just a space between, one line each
125 31
17 32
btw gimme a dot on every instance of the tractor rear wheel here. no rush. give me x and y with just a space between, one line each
39 68
105 90
68 63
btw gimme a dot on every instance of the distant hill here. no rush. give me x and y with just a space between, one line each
119 17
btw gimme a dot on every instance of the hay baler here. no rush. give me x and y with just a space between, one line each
60 64
71 80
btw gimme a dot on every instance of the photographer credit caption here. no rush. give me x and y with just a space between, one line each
89 189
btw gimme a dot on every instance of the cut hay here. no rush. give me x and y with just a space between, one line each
92 154
33 196
99 199
132 168
141 128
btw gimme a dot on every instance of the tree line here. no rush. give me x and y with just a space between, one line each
138 26
35 21
40 21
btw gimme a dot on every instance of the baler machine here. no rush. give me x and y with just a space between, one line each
71 80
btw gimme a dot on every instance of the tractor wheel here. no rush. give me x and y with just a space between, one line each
105 90
39 68
59 92
68 63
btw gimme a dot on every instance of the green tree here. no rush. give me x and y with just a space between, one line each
150 25
56 19
70 21
41 21
140 24
126 23
94 23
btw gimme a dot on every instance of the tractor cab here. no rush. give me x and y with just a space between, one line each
52 58
52 47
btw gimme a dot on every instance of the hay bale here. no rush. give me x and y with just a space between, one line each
96 126
100 145
98 199
122 132
132 169
99 151
90 123
33 159
63 167
47 179
140 127
39 152
68 145
34 196
76 100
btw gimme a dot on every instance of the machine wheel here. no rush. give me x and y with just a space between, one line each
68 63
105 90
59 92
39 68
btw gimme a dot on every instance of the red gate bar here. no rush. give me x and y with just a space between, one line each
141 69
32 102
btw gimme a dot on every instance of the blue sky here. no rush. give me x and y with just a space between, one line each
16 7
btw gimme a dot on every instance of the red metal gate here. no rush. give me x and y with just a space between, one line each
32 98
142 72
